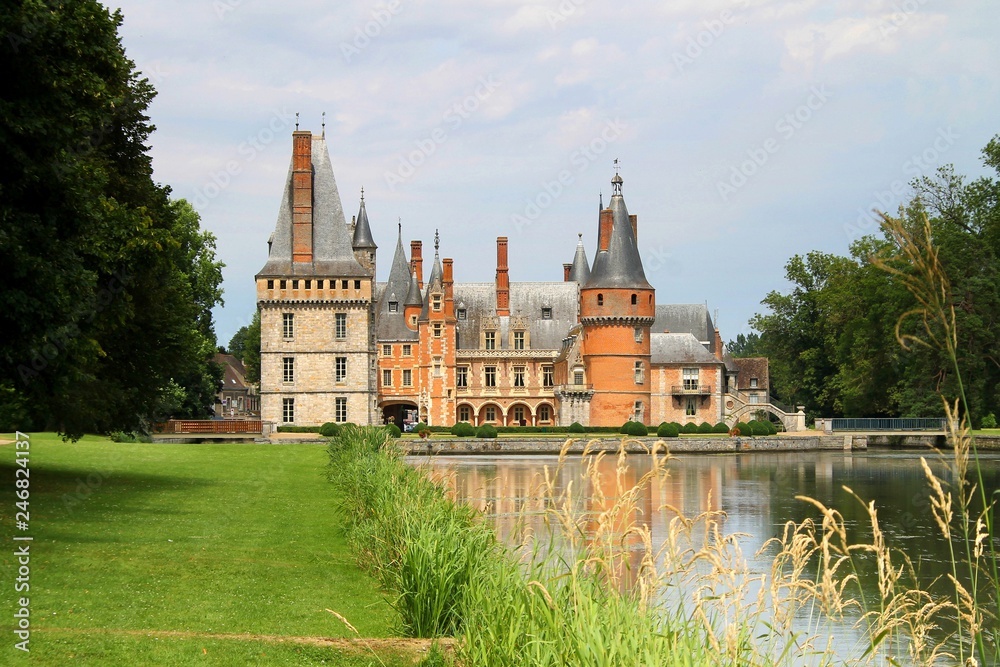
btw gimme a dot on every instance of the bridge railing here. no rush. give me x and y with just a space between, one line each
887 424
213 426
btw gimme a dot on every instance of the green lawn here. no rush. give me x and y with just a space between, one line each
200 539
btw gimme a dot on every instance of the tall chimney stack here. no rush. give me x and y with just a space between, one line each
302 197
607 221
634 219
448 282
417 262
503 281
566 271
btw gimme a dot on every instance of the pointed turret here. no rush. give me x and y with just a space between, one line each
617 263
413 296
363 243
580 269
435 284
391 312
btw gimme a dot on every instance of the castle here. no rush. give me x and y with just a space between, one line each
595 348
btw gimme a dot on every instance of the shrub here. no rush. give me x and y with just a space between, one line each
721 427
624 428
635 428
463 430
394 430
576 427
667 430
760 428
744 428
989 421
705 428
420 426
690 427
329 430
486 431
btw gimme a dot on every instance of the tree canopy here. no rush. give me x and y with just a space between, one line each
832 338
108 284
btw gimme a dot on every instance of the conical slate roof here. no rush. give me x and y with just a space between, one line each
620 266
413 296
333 253
392 325
362 230
434 283
581 267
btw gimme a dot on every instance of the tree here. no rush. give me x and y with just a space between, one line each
108 285
245 346
745 345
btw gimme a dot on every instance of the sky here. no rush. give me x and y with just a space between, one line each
746 131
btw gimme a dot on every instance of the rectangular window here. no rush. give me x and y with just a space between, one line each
343 284
753 383
288 370
639 373
295 284
387 350
282 284
407 378
519 415
577 377
462 377
436 302
546 313
407 350
309 284
386 378
270 284
638 412
491 414
464 414
319 284
755 398
491 376
460 314
288 410
690 379
340 372
518 340
288 326
437 367
340 410
491 340
543 413
437 329
393 306
548 376
638 334
519 376
340 325
691 409
357 284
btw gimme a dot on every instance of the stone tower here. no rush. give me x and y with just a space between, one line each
437 349
617 310
316 302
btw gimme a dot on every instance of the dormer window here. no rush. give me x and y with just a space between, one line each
518 340
546 313
393 306
753 383
490 341
600 299
436 302
461 314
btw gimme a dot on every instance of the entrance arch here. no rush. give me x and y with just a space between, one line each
400 413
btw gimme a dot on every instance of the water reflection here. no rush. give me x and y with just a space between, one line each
755 491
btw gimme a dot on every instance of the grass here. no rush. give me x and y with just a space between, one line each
132 540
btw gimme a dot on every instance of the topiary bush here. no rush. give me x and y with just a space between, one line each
329 430
760 428
624 428
394 430
486 431
721 427
577 427
690 427
419 426
705 428
667 430
637 429
743 428
463 430
989 421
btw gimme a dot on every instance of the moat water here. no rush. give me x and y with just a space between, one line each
754 492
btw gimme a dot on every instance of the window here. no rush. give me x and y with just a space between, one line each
462 377
437 329
518 340
546 313
548 376
638 334
600 299
518 415
295 284
407 350
754 397
407 378
413 321
437 367
491 340
464 413
640 375
639 412
340 372
491 376
544 414
753 383
340 410
309 284
578 377
491 414
319 284
270 284
387 350
635 299
288 326
386 378
357 284
282 284
340 325
690 379
460 314
519 376
288 370
288 410
343 284
393 306
436 302
691 409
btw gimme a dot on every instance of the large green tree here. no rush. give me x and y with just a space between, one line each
245 346
108 285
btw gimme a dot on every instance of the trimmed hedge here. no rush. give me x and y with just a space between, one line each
634 428
705 428
394 430
668 430
298 429
576 427
744 429
329 430
486 431
721 427
463 430
689 428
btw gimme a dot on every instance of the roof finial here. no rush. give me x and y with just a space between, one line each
616 182
437 241
362 194
580 237
399 226
324 136
600 194
296 121
618 165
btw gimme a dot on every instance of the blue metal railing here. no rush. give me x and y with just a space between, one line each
887 424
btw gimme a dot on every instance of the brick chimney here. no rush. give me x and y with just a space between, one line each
302 197
448 282
634 219
566 270
417 262
604 229
503 281
718 345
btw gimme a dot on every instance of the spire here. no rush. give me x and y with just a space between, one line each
580 271
600 206
362 230
436 281
413 297
391 324
619 265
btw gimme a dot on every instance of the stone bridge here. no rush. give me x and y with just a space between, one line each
738 406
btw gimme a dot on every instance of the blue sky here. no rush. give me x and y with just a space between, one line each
747 131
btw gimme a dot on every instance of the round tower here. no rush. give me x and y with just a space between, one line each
617 310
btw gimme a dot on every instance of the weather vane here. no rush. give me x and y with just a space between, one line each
618 165
296 121
324 136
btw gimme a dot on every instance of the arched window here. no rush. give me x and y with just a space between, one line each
600 299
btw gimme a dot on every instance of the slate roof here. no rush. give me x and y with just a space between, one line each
392 326
413 297
362 230
333 253
690 318
581 267
527 299
678 348
435 283
620 266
